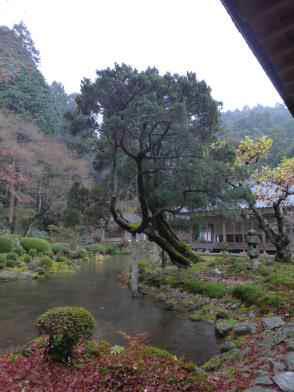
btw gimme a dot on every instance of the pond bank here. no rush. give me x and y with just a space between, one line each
251 310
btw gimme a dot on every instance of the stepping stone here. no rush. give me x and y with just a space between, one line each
245 329
285 381
264 380
272 322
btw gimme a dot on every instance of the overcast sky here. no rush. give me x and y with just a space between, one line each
76 37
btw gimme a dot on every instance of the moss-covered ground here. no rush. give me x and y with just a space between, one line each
227 291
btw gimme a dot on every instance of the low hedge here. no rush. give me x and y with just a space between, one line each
40 245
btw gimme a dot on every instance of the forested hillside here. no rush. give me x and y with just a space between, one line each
41 160
275 122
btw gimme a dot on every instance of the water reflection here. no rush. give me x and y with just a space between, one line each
96 288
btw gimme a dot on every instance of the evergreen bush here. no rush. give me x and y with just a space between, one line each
2 260
39 244
6 244
66 327
46 262
60 248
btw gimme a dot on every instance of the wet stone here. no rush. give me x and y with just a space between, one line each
290 345
285 381
278 367
223 328
272 322
289 330
227 346
245 329
264 380
290 361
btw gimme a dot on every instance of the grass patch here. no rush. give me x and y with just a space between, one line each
255 295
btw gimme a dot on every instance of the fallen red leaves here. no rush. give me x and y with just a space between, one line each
134 370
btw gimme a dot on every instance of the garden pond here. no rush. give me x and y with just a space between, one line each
96 287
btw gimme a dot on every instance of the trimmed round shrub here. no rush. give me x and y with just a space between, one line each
66 327
41 245
6 244
46 262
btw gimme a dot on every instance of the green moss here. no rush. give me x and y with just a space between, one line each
134 227
211 290
216 363
152 351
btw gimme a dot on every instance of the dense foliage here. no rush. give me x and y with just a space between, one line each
158 134
66 326
273 122
38 244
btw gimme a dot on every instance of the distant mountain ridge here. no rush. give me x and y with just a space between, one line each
275 122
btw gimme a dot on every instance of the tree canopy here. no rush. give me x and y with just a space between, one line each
158 135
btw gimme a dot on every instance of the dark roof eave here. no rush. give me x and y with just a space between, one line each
258 51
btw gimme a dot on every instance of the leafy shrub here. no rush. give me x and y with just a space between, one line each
41 245
11 256
62 259
33 252
2 260
6 244
116 350
66 326
80 254
60 248
26 258
248 293
11 263
254 295
104 249
19 250
46 262
212 290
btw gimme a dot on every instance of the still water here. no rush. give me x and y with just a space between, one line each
96 288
